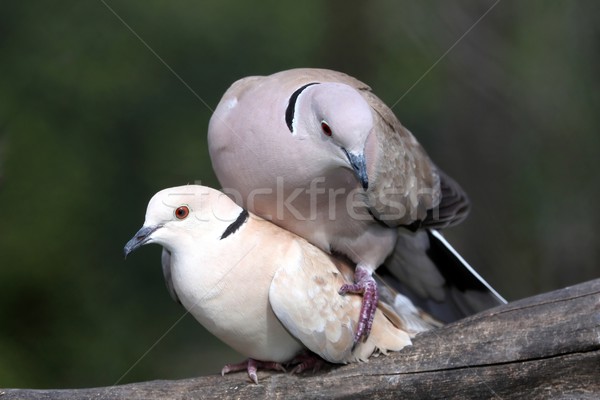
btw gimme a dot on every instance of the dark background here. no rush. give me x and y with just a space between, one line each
93 123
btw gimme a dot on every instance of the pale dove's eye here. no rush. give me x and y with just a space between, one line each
182 212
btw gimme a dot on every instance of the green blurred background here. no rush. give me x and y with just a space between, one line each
92 124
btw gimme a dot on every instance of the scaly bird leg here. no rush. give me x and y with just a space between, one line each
365 284
251 366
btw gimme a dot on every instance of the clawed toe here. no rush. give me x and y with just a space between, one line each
251 366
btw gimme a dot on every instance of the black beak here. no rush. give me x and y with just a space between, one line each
140 238
359 164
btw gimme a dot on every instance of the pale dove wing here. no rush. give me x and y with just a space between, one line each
165 259
303 295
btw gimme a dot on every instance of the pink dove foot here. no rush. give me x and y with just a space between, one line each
251 366
365 284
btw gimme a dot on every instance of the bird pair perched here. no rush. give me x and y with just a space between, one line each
334 185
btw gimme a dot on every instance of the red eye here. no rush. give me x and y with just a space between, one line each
182 212
326 128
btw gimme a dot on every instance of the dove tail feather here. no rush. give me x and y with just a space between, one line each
429 272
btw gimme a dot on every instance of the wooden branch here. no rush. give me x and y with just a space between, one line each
547 346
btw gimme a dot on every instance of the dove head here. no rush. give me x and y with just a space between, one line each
178 215
336 118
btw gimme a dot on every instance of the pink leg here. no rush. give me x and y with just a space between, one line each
251 366
366 285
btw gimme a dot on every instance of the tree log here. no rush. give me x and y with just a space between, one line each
546 346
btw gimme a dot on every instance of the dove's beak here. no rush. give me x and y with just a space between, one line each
359 165
140 238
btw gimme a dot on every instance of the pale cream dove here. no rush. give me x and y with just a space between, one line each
316 152
262 290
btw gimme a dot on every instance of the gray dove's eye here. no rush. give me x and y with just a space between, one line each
182 212
326 128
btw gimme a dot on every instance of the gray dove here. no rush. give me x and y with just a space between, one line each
317 153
